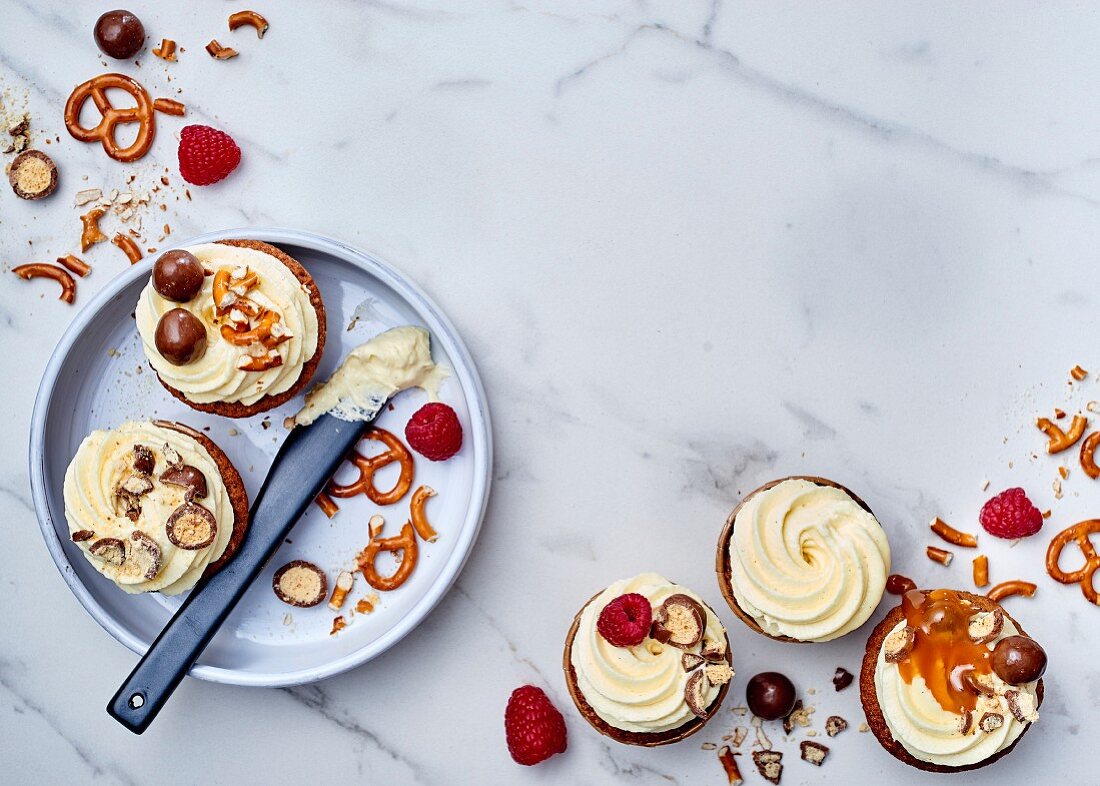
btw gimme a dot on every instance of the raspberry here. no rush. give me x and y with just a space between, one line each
1010 514
434 432
534 728
625 621
207 155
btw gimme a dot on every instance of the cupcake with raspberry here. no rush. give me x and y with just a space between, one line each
647 662
233 328
154 506
802 559
950 682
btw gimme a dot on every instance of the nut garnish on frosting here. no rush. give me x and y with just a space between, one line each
662 681
807 561
223 323
141 531
962 687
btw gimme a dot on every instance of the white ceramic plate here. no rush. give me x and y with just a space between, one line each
98 378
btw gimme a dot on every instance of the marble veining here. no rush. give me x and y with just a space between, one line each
693 245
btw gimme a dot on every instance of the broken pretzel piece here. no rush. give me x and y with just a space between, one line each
44 270
344 582
953 536
1058 440
419 518
166 50
327 504
942 556
250 18
300 583
74 265
90 233
128 246
729 764
1006 589
170 106
219 52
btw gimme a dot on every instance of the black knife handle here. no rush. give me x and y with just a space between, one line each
306 461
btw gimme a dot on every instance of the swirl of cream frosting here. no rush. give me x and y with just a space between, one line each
639 688
806 561
931 733
215 376
103 460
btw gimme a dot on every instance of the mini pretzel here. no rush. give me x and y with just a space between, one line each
952 535
1006 589
1078 533
43 270
74 265
419 519
368 466
1088 455
142 114
1059 440
405 543
90 233
250 18
128 246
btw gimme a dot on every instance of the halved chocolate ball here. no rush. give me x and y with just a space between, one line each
180 337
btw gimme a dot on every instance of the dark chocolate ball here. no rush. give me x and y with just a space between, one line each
119 34
181 337
770 695
177 276
1018 659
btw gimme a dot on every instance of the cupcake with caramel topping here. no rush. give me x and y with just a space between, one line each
233 328
154 506
802 559
647 662
950 682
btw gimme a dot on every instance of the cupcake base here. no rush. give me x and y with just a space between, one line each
235 409
873 710
722 557
234 487
646 739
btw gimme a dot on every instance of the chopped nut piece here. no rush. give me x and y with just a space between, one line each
814 752
375 525
86 196
835 724
769 764
739 735
899 644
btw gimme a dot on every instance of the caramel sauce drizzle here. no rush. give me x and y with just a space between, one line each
943 653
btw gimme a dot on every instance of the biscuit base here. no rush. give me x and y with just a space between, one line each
235 409
722 557
645 739
234 487
873 710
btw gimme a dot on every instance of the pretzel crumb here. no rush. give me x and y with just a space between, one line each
1078 373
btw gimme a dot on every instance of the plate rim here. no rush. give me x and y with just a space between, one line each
481 432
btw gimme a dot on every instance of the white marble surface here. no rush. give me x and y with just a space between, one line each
692 246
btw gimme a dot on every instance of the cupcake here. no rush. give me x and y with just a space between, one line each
802 559
233 328
154 506
950 681
647 662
